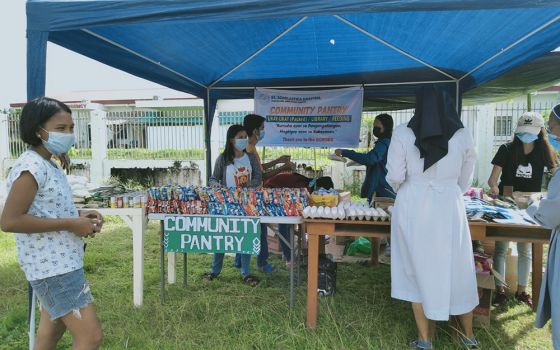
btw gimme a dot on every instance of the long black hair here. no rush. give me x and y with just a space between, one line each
542 147
229 150
388 123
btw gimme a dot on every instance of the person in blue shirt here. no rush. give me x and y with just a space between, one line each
375 160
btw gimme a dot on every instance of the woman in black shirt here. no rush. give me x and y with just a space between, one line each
521 164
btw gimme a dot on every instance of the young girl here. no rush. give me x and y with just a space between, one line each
520 164
235 168
49 230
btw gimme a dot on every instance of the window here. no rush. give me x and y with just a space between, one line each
503 125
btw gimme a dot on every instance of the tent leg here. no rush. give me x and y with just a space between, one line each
31 318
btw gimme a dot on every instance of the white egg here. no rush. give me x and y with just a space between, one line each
382 214
327 213
352 213
320 212
313 212
341 214
305 212
361 214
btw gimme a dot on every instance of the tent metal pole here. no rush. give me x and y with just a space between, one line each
207 131
523 38
457 96
376 38
335 86
100 37
278 37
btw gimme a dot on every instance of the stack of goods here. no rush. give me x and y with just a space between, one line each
227 201
129 200
482 210
81 189
326 198
112 195
348 210
175 200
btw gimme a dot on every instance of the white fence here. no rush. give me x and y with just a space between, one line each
148 138
506 115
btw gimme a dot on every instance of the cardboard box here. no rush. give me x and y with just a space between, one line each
383 202
486 285
273 242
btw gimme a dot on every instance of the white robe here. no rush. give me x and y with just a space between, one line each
431 252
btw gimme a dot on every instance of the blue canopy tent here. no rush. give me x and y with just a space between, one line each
224 49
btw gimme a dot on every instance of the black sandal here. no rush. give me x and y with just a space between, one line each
250 280
209 276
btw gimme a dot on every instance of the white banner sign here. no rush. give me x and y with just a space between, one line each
327 118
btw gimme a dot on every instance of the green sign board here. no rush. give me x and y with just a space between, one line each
212 234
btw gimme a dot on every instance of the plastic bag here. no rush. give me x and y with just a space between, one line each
360 245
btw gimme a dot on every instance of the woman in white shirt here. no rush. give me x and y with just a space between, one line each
235 168
49 230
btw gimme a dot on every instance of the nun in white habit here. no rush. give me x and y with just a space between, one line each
430 165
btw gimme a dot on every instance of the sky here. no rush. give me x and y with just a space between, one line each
66 71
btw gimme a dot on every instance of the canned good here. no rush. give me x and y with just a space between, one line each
143 201
136 202
119 202
113 202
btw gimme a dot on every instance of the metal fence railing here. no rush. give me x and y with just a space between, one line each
81 149
148 134
507 114
17 147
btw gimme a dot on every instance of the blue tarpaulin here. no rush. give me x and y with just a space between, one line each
224 49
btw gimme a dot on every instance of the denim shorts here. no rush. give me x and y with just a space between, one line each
62 294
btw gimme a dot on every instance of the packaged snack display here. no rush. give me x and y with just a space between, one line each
227 201
322 197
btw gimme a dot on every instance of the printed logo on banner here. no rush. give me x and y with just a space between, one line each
212 234
328 118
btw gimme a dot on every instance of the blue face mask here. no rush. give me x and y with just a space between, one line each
553 141
59 142
240 144
525 137
261 135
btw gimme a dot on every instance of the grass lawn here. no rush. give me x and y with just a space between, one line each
225 314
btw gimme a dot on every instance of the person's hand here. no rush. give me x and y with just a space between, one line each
535 197
83 226
93 214
494 190
338 152
284 159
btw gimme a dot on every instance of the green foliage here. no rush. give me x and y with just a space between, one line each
226 314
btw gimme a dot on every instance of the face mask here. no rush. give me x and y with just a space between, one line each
59 142
261 135
525 137
377 131
240 144
554 142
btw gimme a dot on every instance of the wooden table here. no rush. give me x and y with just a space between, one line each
382 229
